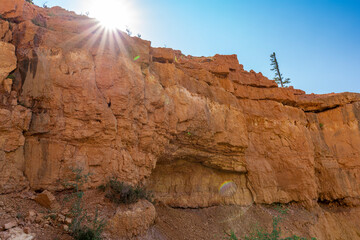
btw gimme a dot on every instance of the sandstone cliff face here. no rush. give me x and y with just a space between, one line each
14 120
113 105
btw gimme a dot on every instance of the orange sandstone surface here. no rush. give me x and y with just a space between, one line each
113 105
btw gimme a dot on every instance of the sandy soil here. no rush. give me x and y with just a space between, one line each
171 223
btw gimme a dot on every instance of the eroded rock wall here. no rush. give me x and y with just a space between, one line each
114 106
14 120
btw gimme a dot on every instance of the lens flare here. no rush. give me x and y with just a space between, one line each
227 189
114 14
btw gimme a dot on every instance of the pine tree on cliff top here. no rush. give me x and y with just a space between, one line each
278 76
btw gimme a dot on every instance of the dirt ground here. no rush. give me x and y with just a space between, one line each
322 221
217 222
176 223
47 224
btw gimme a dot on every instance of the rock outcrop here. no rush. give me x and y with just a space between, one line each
133 220
14 120
113 105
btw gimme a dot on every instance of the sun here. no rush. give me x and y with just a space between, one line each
114 14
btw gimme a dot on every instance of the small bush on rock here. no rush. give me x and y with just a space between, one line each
38 23
82 227
120 192
12 77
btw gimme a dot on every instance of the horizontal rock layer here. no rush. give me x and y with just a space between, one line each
113 105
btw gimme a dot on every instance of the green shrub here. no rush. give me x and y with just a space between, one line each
82 226
11 76
120 192
128 31
321 125
52 216
30 1
232 236
261 234
38 23
280 208
19 216
92 231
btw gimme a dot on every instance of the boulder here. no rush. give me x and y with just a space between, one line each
10 225
5 32
7 84
164 55
14 120
48 200
17 10
7 59
19 234
132 220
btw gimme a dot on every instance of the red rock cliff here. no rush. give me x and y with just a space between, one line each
80 96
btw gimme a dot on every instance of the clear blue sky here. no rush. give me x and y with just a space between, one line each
317 41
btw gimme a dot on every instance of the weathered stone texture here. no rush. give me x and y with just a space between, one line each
113 105
131 221
14 120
